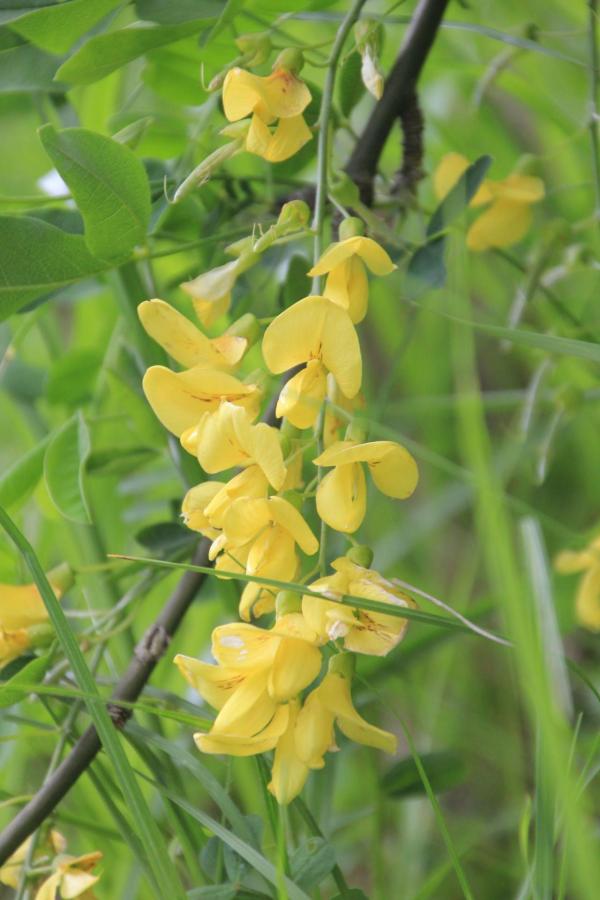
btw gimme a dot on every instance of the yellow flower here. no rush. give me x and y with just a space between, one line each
73 878
184 342
23 614
344 263
587 603
318 332
279 97
342 494
227 438
211 291
180 399
257 672
204 506
10 871
264 533
289 772
331 704
362 631
509 215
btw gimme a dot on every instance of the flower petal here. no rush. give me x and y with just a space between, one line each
369 250
234 745
519 188
250 483
177 335
392 467
314 734
286 515
503 224
21 606
275 96
348 286
449 170
289 772
265 448
238 645
258 138
568 562
302 395
215 684
295 665
334 694
248 710
342 498
244 519
195 503
290 135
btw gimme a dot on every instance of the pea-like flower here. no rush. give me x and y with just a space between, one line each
508 216
279 98
182 340
587 603
345 263
266 532
180 399
73 878
227 438
204 506
362 631
342 494
257 671
318 332
211 291
24 621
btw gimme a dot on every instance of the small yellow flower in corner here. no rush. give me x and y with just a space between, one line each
318 332
344 264
73 878
279 98
508 216
24 621
362 631
587 603
342 494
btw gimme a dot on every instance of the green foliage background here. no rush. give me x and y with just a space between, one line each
501 411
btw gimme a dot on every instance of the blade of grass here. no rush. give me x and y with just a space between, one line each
160 863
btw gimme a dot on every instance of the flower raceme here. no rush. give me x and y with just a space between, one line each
508 216
278 98
342 494
587 603
318 332
24 621
345 263
72 876
361 631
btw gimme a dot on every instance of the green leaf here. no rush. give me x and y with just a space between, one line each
174 13
56 28
459 197
109 184
214 892
72 377
34 671
22 477
26 68
160 864
444 769
59 259
426 268
311 862
64 466
105 53
165 538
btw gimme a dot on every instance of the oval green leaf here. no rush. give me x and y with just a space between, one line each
64 466
109 184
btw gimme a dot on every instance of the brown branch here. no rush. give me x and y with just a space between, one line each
398 95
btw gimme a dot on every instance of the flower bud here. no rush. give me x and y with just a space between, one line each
256 48
293 216
351 227
367 35
205 169
291 59
342 664
287 602
360 555
247 327
61 577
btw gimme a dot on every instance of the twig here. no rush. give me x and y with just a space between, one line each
398 94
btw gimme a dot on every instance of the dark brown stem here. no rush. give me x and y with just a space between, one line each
397 96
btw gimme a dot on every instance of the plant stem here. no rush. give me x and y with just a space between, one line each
594 108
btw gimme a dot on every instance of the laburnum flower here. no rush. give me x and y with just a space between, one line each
278 99
587 603
227 438
181 399
182 340
204 506
24 621
211 291
342 494
318 332
362 631
344 264
73 878
509 214
258 671
328 705
263 534
10 871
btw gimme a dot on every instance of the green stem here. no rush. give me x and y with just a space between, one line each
594 110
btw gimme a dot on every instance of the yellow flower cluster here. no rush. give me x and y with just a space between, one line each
71 877
287 687
508 216
24 622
